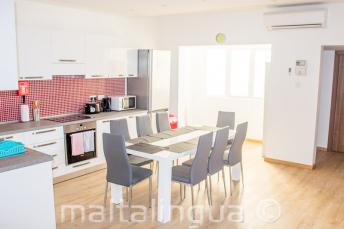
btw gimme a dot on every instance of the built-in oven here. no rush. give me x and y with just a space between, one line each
80 142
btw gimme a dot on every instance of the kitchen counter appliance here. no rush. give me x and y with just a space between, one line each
85 129
122 103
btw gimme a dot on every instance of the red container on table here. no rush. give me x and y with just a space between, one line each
173 121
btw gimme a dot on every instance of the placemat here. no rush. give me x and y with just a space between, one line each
146 148
181 147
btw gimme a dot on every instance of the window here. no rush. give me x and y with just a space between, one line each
236 71
240 72
262 57
216 72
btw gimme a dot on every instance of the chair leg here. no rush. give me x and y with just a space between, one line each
150 192
242 174
230 180
130 200
192 202
210 190
218 177
207 190
224 181
184 192
181 192
105 195
127 193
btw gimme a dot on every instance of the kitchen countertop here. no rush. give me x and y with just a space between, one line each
19 127
31 157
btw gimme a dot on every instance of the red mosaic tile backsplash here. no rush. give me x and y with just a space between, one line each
58 96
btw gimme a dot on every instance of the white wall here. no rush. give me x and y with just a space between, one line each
325 94
200 108
291 102
129 32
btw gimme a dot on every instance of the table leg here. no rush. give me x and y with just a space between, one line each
164 191
116 194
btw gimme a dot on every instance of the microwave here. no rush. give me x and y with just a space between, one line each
122 103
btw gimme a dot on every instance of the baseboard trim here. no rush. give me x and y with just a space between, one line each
254 140
289 163
321 149
78 173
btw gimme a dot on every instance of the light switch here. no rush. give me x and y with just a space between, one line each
301 68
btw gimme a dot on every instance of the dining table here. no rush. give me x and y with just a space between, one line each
164 147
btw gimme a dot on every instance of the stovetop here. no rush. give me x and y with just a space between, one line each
69 118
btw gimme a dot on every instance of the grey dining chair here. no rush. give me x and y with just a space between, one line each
215 161
143 125
198 171
119 170
234 156
162 121
120 126
226 118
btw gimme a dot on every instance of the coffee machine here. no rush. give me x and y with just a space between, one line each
106 104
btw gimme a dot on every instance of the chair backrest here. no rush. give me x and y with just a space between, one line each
199 167
143 125
162 121
120 126
118 168
225 118
235 152
215 163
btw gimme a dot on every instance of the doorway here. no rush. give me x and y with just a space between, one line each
336 129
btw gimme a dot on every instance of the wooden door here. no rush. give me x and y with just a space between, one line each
336 131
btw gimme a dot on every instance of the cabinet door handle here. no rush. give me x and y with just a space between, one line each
86 163
43 132
97 76
120 75
6 138
56 167
67 60
131 75
107 121
54 155
32 77
48 144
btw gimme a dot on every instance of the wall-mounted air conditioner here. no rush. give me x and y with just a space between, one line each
315 18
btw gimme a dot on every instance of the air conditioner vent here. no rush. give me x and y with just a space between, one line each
295 19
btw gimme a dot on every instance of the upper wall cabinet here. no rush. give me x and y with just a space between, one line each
98 56
8 46
68 53
124 63
34 53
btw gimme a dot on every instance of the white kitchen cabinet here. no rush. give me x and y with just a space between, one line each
98 56
8 46
49 141
132 126
125 62
34 53
68 53
12 137
132 62
103 126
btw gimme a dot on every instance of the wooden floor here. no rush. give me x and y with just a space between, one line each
307 199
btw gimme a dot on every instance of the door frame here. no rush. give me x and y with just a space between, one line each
333 100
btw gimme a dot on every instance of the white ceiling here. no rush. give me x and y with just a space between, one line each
166 7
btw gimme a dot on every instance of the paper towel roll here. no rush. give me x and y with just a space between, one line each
24 113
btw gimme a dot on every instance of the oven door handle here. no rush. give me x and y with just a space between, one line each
79 165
